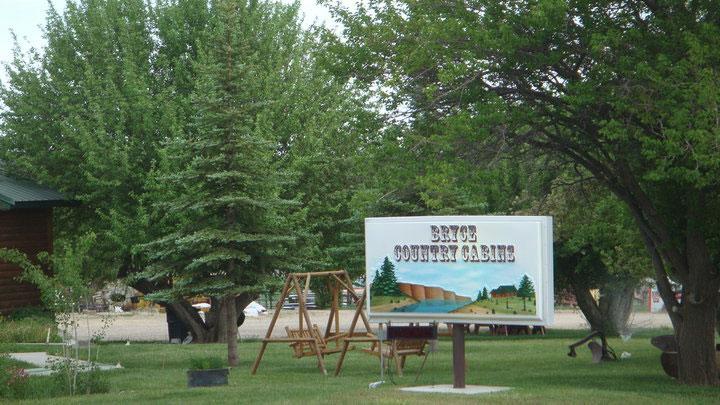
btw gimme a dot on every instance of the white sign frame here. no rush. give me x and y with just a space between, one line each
536 233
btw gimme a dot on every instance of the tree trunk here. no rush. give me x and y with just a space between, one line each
591 310
697 361
221 328
231 330
190 317
696 345
214 329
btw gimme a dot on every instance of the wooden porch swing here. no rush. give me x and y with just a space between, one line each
307 339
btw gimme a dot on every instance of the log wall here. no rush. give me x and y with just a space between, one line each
29 231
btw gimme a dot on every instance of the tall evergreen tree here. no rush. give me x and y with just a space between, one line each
237 227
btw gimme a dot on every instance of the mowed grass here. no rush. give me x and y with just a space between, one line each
537 367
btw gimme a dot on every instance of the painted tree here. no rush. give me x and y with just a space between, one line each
526 290
627 93
375 285
483 295
385 284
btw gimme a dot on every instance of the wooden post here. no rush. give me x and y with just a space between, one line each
458 334
278 307
336 307
331 318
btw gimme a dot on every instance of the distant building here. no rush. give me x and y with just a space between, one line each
26 210
504 291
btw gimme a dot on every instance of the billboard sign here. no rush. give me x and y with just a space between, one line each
461 269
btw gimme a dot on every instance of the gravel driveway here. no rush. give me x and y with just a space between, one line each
152 326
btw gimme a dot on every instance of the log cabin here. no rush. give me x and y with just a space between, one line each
26 224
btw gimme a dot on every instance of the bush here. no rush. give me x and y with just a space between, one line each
16 384
31 313
206 363
86 382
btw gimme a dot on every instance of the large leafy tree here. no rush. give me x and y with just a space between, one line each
597 247
627 90
103 111
86 115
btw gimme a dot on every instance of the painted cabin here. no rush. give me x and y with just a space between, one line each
504 291
26 210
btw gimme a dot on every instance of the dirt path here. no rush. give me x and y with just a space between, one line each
152 326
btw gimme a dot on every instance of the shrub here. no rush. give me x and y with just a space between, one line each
69 380
206 363
32 313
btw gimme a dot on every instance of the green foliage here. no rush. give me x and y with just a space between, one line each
39 313
86 114
526 289
561 78
68 380
385 282
221 182
206 363
596 225
67 282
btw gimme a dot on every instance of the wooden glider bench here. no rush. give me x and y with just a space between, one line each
302 340
398 350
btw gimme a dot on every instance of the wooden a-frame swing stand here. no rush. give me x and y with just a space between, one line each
307 340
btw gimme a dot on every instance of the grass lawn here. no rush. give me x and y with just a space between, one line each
536 367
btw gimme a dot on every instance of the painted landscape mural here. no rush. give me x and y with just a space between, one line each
388 293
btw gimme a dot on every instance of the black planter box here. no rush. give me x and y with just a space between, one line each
207 378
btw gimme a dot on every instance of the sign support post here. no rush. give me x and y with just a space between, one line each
458 336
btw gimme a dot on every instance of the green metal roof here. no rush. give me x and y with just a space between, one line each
21 193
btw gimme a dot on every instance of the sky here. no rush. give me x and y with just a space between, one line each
25 18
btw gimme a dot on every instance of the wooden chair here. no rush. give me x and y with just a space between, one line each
398 350
304 348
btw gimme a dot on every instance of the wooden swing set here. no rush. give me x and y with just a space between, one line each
307 339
